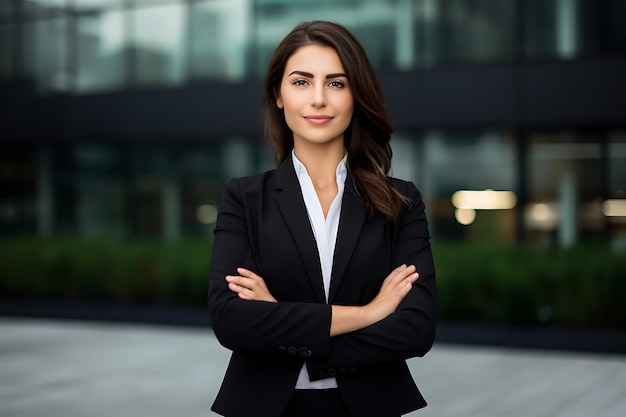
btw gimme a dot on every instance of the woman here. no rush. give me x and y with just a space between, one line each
322 279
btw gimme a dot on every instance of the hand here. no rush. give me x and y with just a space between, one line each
249 286
395 287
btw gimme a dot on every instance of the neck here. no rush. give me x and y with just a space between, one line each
320 161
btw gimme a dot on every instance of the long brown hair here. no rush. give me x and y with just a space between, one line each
367 137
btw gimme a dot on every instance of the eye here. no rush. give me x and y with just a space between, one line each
299 82
336 84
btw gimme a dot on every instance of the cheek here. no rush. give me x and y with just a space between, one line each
347 106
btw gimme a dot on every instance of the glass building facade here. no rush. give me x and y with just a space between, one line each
124 117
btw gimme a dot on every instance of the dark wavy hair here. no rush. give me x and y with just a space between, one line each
368 135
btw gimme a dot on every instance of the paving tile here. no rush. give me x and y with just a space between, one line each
68 368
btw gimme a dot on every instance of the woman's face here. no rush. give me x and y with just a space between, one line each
315 95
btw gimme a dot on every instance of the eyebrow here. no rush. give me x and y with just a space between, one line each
309 75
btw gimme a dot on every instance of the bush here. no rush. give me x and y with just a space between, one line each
131 272
582 286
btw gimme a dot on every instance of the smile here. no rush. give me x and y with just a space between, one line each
318 120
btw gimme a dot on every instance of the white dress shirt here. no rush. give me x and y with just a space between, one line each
325 231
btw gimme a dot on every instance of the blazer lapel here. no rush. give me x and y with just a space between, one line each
353 216
291 205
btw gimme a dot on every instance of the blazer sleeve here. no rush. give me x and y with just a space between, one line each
408 332
283 328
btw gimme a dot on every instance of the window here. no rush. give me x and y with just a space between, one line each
100 39
158 45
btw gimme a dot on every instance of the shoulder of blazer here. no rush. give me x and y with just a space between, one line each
407 189
280 178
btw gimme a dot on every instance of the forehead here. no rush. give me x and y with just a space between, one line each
316 59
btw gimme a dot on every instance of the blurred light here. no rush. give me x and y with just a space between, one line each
465 216
541 212
484 200
206 214
614 208
542 216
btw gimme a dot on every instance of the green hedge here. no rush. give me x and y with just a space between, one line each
583 286
132 272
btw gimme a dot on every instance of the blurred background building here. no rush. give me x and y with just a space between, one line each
122 118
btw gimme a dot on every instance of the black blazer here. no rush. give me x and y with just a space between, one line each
263 225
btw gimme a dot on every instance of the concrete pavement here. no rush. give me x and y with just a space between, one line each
57 368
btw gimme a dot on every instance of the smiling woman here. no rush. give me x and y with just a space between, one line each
322 279
313 92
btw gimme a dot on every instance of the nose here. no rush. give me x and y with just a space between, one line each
318 98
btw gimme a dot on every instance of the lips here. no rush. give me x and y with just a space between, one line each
318 119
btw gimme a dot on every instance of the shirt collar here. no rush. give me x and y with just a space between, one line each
341 172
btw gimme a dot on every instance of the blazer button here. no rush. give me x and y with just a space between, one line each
282 349
305 352
292 350
343 370
332 372
352 369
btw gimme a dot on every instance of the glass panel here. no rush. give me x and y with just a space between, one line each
148 3
220 32
617 28
101 194
45 53
617 163
159 43
563 29
96 4
463 31
43 6
565 189
6 51
6 7
373 22
101 53
617 190
151 167
18 184
491 166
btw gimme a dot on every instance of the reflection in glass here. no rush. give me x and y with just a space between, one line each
101 193
43 6
481 161
6 51
158 43
565 188
375 23
95 4
562 29
464 31
617 164
45 53
100 42
6 7
220 32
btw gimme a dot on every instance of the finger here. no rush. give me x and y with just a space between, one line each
235 288
247 294
242 292
241 281
401 275
406 282
398 270
405 289
247 273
